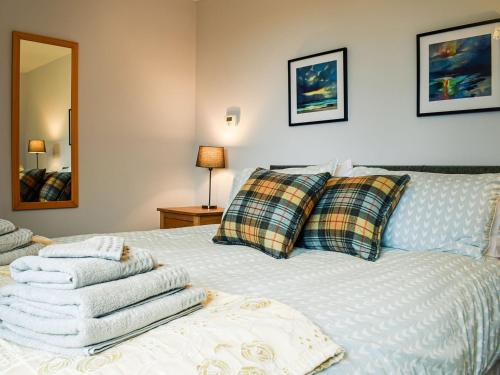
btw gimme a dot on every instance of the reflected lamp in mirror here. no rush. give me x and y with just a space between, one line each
210 157
36 146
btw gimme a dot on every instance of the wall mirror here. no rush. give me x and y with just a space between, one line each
44 122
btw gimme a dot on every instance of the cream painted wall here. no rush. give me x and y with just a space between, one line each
137 88
139 126
242 52
45 97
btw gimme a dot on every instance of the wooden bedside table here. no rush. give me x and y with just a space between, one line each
178 217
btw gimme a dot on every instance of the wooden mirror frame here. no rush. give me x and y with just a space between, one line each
17 204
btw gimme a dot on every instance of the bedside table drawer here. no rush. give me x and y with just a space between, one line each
208 220
175 221
188 216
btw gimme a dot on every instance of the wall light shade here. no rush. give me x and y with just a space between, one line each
496 33
36 146
210 157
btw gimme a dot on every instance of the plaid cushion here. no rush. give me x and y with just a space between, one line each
270 210
54 186
30 183
66 193
351 215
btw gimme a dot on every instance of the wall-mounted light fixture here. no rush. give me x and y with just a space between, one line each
232 117
231 120
496 33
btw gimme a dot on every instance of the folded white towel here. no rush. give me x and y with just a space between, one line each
73 273
10 256
95 300
12 336
106 247
15 239
80 333
6 227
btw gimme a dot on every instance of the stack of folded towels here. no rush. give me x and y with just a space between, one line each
15 242
85 297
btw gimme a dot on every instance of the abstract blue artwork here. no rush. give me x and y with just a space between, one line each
460 68
317 87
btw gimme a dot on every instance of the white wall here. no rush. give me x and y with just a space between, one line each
45 97
242 52
136 125
137 95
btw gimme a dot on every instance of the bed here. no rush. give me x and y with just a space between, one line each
406 313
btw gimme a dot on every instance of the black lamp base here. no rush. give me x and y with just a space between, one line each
207 207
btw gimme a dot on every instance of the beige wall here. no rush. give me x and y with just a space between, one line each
45 97
242 52
137 65
137 95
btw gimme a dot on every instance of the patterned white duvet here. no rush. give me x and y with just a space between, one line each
406 313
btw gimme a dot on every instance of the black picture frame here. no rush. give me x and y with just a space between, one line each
419 38
69 126
344 116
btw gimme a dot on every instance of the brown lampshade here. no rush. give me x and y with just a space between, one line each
36 146
211 157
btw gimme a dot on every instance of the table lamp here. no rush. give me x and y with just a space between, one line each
36 146
210 157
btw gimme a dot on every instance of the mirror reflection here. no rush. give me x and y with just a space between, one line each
44 122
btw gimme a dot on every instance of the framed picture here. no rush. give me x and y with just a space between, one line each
458 69
317 88
69 126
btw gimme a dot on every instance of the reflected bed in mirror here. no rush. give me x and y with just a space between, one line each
44 122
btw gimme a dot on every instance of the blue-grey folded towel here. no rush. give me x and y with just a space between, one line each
82 333
95 300
15 239
9 335
105 247
6 227
73 273
26 250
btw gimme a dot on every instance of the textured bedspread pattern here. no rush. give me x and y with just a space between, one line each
408 313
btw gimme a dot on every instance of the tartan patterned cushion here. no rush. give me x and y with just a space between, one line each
54 186
30 183
66 193
351 215
270 210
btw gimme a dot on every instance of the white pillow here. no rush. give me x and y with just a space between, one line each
329 167
239 180
344 169
443 212
242 176
494 248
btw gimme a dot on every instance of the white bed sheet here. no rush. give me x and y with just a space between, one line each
406 313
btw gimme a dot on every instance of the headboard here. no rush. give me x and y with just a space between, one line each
448 169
